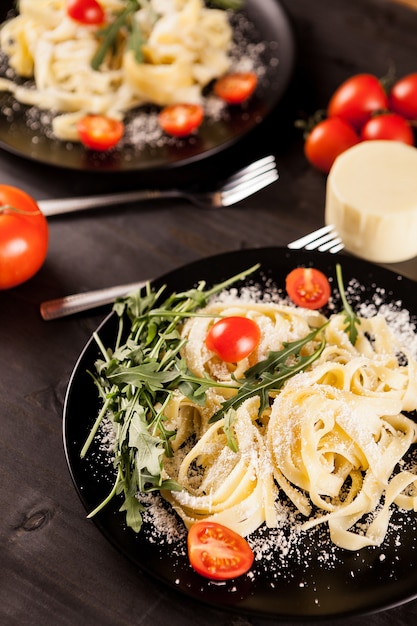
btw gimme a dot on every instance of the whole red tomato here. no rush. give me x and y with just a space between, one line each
357 98
233 338
327 140
23 237
403 97
388 126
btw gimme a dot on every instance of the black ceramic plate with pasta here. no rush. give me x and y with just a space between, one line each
306 579
23 133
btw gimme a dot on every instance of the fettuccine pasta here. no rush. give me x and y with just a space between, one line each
186 45
332 439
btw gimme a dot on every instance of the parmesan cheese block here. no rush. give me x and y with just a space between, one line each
371 198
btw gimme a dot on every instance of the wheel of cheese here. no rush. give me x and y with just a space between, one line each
371 198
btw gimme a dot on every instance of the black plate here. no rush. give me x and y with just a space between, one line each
313 581
270 25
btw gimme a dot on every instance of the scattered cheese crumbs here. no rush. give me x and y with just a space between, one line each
276 548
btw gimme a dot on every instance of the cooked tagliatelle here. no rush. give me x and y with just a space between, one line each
184 45
331 439
316 418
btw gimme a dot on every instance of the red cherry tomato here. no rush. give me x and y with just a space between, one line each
99 132
181 120
233 338
23 237
388 126
236 87
308 287
327 140
85 11
217 552
357 98
403 97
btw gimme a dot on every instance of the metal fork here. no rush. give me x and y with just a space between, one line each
240 185
75 303
325 239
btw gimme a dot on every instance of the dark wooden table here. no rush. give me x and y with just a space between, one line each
55 567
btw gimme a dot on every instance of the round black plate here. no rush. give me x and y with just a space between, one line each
270 25
314 581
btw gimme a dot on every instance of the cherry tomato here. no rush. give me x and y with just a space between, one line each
233 338
181 120
23 237
327 140
403 97
236 87
308 287
357 98
388 126
217 552
99 132
85 11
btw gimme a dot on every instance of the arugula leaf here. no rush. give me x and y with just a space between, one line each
272 373
133 509
352 321
229 418
135 39
111 32
232 5
139 374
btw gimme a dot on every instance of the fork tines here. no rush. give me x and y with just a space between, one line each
249 180
325 239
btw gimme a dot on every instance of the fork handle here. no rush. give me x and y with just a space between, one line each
82 203
68 305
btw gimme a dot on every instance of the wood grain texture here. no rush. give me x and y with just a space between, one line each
55 567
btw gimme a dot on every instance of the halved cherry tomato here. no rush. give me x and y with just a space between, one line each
357 98
403 97
217 552
85 11
327 140
308 287
236 87
99 132
233 338
181 120
23 237
388 126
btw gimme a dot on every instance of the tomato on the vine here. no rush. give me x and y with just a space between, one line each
88 12
23 237
180 120
357 98
388 126
99 132
217 552
403 97
236 87
308 287
327 140
233 338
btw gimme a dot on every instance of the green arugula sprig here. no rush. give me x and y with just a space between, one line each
136 380
352 321
271 373
125 23
109 34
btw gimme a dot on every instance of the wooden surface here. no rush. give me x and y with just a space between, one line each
412 4
55 567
